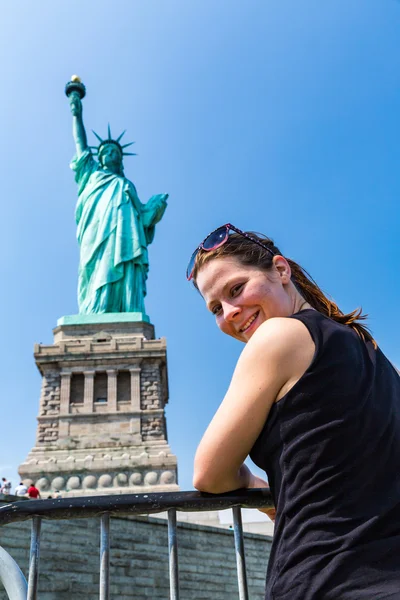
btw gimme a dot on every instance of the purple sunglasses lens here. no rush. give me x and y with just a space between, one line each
215 239
190 266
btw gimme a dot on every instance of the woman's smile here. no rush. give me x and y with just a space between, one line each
250 323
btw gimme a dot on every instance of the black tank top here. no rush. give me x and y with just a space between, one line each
331 451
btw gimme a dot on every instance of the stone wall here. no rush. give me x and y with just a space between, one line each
50 394
69 560
150 386
153 428
47 432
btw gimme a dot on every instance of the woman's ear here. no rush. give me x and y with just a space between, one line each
283 268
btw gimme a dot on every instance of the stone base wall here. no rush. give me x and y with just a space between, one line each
69 560
103 471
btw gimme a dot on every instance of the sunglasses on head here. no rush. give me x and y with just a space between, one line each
217 238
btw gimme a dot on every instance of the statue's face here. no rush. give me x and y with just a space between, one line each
110 158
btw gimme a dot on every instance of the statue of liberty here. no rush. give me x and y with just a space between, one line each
113 227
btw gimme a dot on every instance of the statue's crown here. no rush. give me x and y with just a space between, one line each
110 140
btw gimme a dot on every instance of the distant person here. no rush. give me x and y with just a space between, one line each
57 494
21 489
33 492
5 486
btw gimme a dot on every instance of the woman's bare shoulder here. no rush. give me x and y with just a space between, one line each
283 347
283 331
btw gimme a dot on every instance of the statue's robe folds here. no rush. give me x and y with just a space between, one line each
113 229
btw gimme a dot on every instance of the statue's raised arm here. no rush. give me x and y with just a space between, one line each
75 90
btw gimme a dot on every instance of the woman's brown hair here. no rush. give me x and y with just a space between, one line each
251 254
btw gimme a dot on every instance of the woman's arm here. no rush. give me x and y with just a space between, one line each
274 359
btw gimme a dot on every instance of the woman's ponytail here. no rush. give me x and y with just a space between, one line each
313 294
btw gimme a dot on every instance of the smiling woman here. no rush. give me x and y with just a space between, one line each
314 402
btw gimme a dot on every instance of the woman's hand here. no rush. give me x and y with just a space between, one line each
270 512
257 482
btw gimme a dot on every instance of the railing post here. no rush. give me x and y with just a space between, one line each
34 559
105 557
173 556
240 558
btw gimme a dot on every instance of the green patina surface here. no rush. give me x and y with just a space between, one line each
114 228
122 317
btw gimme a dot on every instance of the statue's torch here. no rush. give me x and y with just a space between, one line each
75 86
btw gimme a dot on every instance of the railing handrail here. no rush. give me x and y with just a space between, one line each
132 504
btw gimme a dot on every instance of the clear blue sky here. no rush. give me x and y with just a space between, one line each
281 117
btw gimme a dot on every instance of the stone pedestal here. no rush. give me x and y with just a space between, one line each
101 424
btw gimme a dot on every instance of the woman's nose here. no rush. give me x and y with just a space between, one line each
230 312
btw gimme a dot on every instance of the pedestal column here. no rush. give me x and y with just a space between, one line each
88 391
65 392
112 390
135 388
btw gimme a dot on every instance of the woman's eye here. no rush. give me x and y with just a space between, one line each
236 289
216 309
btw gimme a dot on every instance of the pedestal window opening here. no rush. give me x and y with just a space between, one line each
100 394
77 388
